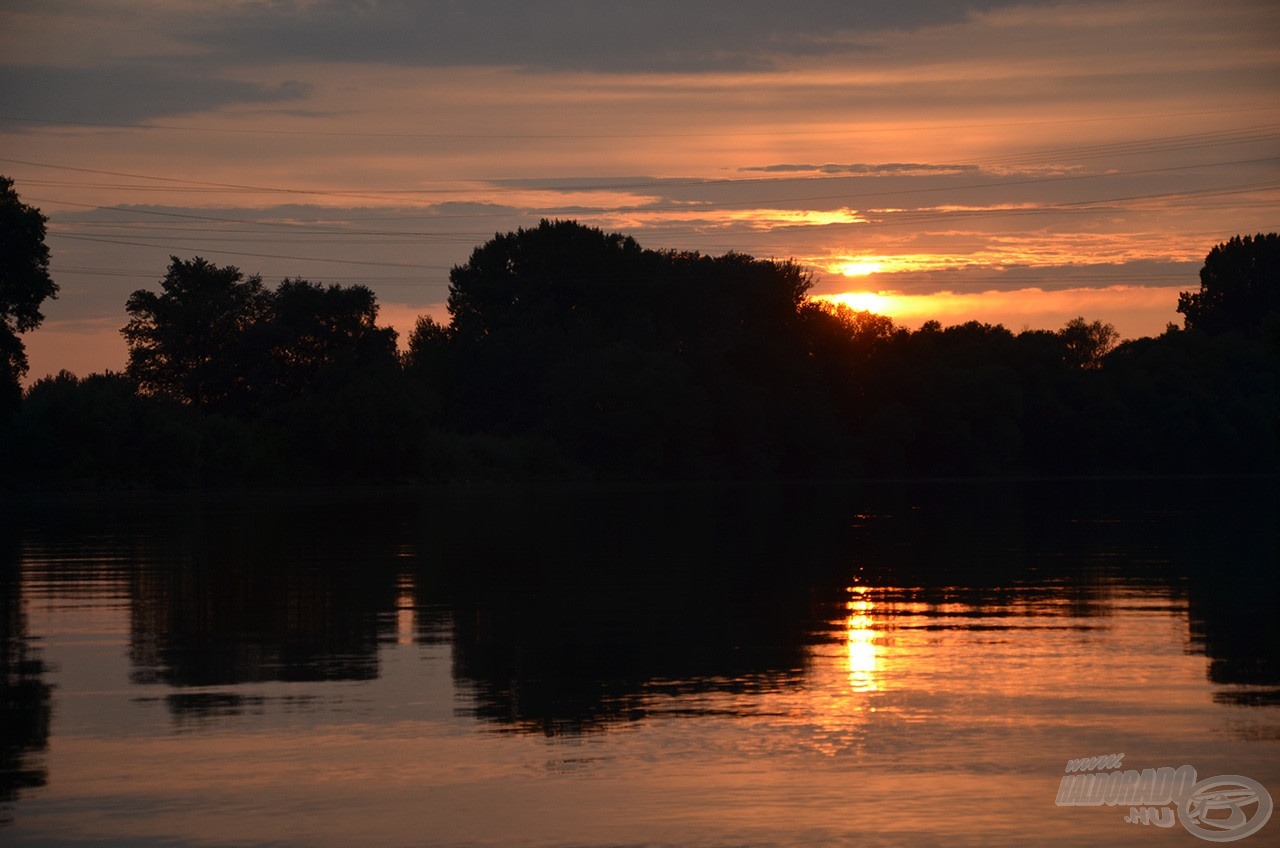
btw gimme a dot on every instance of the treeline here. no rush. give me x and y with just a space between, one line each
575 353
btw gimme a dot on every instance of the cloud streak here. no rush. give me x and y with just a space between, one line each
956 147
126 94
569 35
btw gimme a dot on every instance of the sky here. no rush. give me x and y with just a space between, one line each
1013 162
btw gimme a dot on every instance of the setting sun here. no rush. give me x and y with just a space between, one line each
859 268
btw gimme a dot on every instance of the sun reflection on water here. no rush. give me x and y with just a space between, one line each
406 609
860 641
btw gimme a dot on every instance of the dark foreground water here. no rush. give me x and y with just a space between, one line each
702 666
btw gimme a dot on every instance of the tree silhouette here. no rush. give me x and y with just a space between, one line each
632 360
24 284
1086 343
576 353
311 334
220 341
189 341
1239 286
428 352
541 275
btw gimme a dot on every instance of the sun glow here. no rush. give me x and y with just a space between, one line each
1134 310
860 641
860 267
862 301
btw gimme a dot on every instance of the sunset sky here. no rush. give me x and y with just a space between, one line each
1014 162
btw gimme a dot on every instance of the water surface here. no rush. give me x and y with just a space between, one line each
909 664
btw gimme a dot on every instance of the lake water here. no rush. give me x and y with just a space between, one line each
881 664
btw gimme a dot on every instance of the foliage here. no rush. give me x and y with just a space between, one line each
100 430
1087 343
24 284
313 336
631 360
193 342
217 340
1239 286
1189 403
576 353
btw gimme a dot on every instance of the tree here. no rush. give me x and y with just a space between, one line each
427 360
311 334
842 345
190 341
594 286
1085 343
217 340
24 282
836 331
584 338
540 275
1239 287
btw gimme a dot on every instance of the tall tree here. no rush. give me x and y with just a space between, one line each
217 340
542 275
627 358
24 282
312 333
1086 343
188 342
1239 286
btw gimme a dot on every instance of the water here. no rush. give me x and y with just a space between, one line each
908 664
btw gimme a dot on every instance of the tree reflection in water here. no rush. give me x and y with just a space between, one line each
25 698
571 609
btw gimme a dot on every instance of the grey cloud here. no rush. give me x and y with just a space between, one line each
125 94
598 35
975 280
618 183
885 169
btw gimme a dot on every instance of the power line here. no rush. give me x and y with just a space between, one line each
1266 132
520 136
845 197
889 220
200 251
158 225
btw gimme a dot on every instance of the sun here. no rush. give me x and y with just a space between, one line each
859 267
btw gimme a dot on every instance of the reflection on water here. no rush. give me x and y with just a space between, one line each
25 697
721 664
861 640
